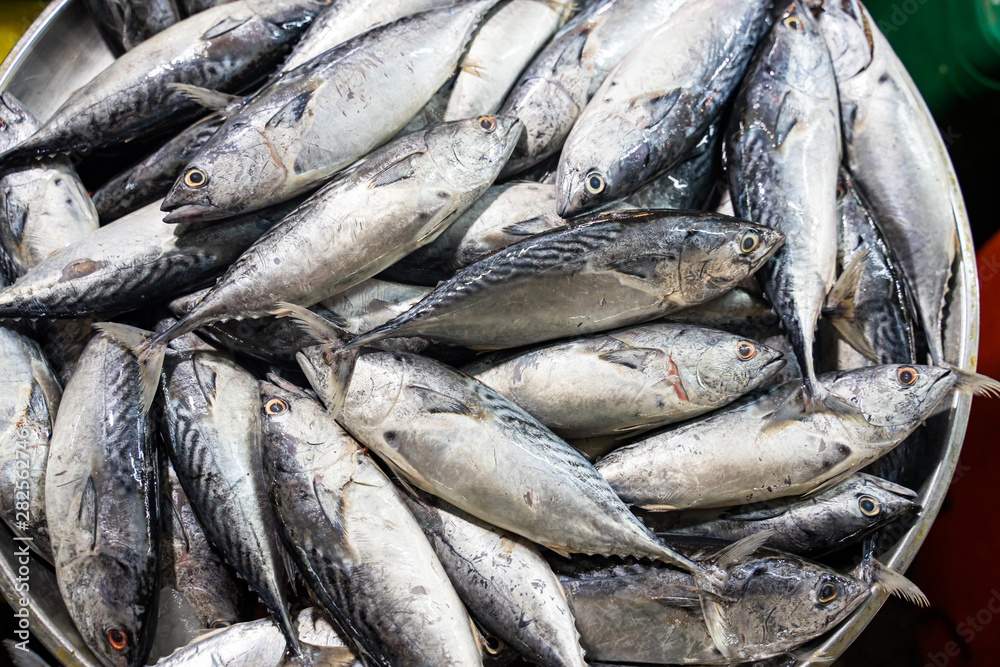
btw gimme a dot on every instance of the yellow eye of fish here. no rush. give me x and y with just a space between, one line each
745 350
749 242
594 183
492 644
218 625
869 506
118 639
487 123
275 406
906 375
828 592
793 23
195 178
841 191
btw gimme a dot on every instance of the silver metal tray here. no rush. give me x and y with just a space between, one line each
63 50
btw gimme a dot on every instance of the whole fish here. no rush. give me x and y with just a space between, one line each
735 457
151 179
344 19
214 427
504 45
101 503
459 440
126 23
658 102
44 206
364 556
228 47
784 154
842 514
320 117
557 85
630 380
503 579
131 262
29 399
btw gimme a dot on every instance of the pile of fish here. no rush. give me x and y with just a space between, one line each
424 333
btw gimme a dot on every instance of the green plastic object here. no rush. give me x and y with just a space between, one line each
950 47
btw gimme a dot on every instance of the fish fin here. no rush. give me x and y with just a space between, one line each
332 391
559 550
784 122
737 551
641 266
895 583
222 27
148 349
976 383
527 227
701 591
206 378
334 516
23 657
473 68
802 403
397 171
289 387
715 619
315 325
633 357
435 402
662 105
86 514
840 307
567 9
210 99
292 112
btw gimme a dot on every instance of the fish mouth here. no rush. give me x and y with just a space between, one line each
773 366
188 213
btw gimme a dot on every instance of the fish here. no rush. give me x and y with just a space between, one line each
841 515
504 45
228 47
659 101
214 429
362 553
734 457
505 582
324 115
783 148
126 23
629 381
738 311
150 180
190 7
44 206
556 86
131 262
102 503
455 438
29 401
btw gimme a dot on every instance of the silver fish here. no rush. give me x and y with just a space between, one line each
503 46
101 503
783 148
557 85
126 24
503 579
658 102
738 311
734 457
227 47
364 556
630 380
320 117
369 304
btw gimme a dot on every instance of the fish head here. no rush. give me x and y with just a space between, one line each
290 417
783 601
844 25
470 153
796 53
234 172
112 607
871 501
729 365
16 122
717 254
893 395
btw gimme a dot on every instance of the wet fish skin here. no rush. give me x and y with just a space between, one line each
738 311
29 400
321 117
227 47
814 525
504 580
101 503
630 380
152 178
215 446
739 459
658 103
364 556
126 23
556 86
131 262
194 6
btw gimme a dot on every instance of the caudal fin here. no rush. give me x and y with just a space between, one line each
840 307
149 350
808 400
873 572
976 383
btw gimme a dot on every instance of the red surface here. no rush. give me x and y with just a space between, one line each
958 566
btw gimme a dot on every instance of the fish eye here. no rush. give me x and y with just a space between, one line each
793 23
594 183
745 350
275 406
906 375
322 3
493 645
218 625
841 191
195 178
828 592
487 123
749 242
869 506
3 125
118 639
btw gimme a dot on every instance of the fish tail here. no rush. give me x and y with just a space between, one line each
840 307
811 398
320 328
875 573
149 350
287 627
976 383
